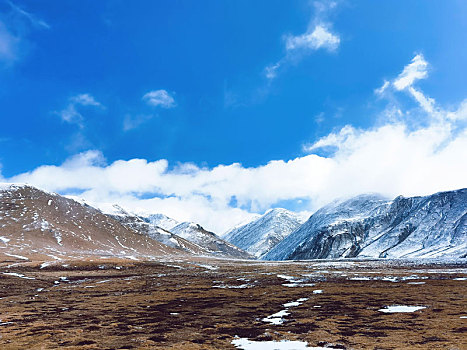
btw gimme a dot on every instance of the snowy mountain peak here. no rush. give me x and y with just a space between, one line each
260 235
370 226
197 234
162 221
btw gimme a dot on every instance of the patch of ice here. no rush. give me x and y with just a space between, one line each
401 308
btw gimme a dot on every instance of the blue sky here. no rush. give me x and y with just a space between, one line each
203 84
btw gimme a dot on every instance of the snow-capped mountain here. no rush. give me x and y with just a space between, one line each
43 225
260 235
162 221
144 225
374 227
216 245
185 236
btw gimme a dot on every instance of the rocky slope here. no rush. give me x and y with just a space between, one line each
209 240
35 223
186 236
370 226
260 235
144 225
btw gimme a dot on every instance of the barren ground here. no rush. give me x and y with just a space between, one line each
204 304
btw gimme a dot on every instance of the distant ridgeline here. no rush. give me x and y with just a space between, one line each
38 224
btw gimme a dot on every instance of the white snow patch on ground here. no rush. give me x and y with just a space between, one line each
460 279
295 303
58 237
317 291
288 278
277 318
415 282
246 344
298 284
45 264
131 257
463 317
241 286
4 239
401 308
209 267
18 275
17 256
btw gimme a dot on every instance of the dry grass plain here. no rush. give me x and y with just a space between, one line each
206 303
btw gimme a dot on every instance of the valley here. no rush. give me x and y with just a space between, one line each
207 303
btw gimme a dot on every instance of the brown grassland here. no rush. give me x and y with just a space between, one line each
184 304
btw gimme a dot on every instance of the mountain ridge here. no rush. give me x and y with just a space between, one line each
372 227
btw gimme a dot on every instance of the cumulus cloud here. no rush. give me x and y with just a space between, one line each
319 35
396 157
159 98
71 114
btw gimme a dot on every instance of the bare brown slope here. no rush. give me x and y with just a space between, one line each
34 223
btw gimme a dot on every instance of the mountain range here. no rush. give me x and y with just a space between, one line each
370 226
40 224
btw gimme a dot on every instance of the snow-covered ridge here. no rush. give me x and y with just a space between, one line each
371 226
260 235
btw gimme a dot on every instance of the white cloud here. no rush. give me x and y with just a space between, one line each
159 98
392 158
380 91
416 70
319 38
71 114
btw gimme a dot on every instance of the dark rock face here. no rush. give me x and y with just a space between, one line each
370 226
